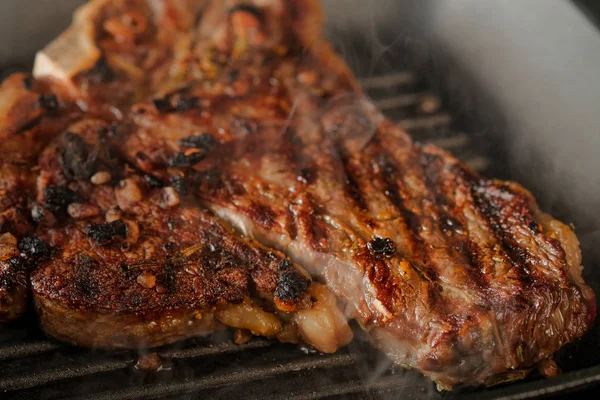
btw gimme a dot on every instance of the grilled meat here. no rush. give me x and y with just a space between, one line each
148 261
199 115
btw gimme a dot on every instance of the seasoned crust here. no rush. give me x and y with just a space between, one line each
88 328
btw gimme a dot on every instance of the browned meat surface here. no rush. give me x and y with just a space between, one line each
210 141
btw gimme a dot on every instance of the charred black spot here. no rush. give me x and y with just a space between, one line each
84 268
171 223
204 141
211 178
101 72
381 246
27 82
183 104
233 74
75 160
179 184
171 247
175 102
168 278
104 233
58 198
307 175
247 8
534 227
35 247
48 102
17 263
292 285
181 160
152 181
113 129
162 105
284 264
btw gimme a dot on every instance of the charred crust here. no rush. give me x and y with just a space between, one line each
101 72
84 268
291 286
105 233
75 160
183 160
381 247
204 141
48 102
211 178
17 263
34 247
152 181
534 227
175 102
58 198
307 175
179 184
27 82
168 278
113 130
284 265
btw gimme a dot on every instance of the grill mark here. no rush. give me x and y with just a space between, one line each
450 222
306 223
301 166
468 180
390 174
351 187
491 215
290 225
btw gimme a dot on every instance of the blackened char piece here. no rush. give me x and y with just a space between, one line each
460 277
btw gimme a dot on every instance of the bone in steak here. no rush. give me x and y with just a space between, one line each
173 160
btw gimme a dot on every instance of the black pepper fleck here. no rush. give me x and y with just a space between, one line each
381 246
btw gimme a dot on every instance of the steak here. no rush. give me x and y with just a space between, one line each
197 163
